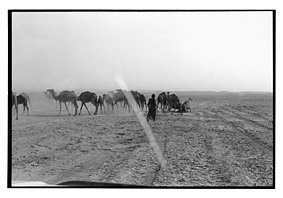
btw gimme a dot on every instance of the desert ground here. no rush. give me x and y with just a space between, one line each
227 140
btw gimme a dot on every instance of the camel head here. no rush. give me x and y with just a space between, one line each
50 90
186 105
53 94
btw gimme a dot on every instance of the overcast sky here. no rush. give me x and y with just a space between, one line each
181 51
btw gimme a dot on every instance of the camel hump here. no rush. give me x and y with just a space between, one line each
67 95
86 94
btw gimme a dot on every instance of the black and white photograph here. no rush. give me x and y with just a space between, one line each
141 98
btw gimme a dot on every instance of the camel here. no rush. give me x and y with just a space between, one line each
50 97
100 102
184 107
143 102
187 105
108 100
120 91
26 97
162 99
120 97
173 101
65 96
22 100
136 96
86 97
14 102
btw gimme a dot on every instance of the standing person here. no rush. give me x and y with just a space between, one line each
151 108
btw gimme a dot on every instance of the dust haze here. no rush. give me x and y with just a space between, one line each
183 51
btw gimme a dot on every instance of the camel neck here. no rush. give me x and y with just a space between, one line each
54 96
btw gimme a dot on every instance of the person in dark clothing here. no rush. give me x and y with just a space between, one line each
151 108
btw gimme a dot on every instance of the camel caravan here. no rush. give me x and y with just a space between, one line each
166 102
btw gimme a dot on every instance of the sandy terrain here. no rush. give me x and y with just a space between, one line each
226 140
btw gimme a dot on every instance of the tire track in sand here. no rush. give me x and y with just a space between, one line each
262 145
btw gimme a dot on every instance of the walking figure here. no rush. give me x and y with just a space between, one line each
151 108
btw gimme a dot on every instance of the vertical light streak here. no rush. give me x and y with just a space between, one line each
141 118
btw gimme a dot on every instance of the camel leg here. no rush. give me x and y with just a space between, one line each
15 111
87 109
27 109
23 109
96 109
124 107
71 106
76 108
81 109
103 107
100 108
16 107
67 108
129 107
60 107
15 102
126 103
162 109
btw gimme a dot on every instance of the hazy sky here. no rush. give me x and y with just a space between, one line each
188 51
